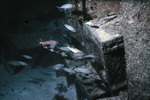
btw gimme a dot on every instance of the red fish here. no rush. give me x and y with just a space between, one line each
49 42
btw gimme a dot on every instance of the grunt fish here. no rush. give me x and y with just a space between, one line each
90 81
26 56
74 50
66 6
69 27
17 63
52 46
58 66
87 57
89 23
68 70
64 49
83 70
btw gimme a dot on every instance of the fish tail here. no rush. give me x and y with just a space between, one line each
59 8
40 40
63 22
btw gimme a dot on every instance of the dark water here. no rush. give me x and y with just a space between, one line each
38 80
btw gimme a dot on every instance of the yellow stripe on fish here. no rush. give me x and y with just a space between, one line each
74 50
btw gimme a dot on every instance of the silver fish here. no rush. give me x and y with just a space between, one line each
89 81
74 50
69 27
66 6
68 70
83 70
52 46
77 55
26 56
88 57
64 49
58 66
17 63
89 23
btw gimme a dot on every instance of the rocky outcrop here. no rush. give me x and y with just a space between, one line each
106 43
135 39
136 26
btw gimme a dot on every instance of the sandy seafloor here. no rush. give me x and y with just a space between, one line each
33 84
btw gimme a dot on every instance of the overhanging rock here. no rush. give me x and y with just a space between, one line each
105 43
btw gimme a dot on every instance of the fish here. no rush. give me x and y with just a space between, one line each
87 57
89 23
66 6
49 42
68 70
17 63
69 27
64 49
63 54
58 66
52 46
75 62
103 14
78 55
83 70
89 81
26 56
74 50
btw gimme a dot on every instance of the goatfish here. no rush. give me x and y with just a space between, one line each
69 27
66 6
49 42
